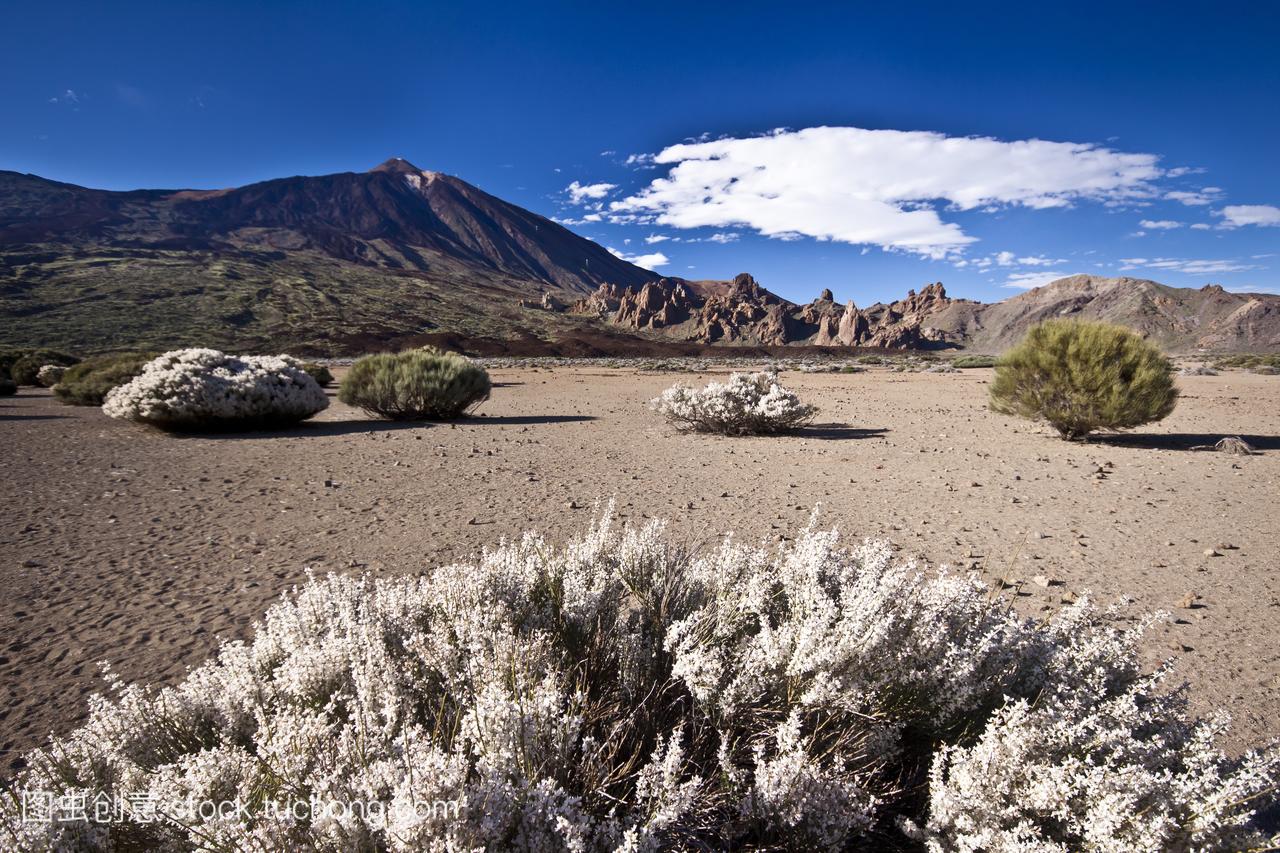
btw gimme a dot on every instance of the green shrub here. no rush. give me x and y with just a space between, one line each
22 365
969 361
1084 376
7 387
87 383
1249 361
415 385
319 373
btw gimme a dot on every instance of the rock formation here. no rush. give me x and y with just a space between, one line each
741 311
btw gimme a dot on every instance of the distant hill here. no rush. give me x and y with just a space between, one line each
352 262
1180 319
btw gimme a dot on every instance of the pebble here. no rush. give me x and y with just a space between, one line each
1212 552
1188 601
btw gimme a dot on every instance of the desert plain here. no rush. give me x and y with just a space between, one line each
142 549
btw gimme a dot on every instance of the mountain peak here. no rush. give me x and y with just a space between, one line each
397 166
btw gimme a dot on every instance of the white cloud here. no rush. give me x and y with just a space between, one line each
1236 215
1208 195
649 262
1201 226
1186 266
1008 259
1028 280
877 187
656 238
1160 224
723 237
579 193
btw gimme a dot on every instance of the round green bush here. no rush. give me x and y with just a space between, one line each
319 373
87 383
1084 376
23 365
415 385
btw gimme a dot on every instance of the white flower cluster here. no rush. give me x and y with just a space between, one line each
620 694
748 404
204 387
49 374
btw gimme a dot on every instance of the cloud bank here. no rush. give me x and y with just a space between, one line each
1188 266
876 187
1236 215
1028 280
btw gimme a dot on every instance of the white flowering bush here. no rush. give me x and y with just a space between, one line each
621 694
747 404
204 388
48 375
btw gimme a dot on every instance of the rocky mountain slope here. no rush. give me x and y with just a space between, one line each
1180 319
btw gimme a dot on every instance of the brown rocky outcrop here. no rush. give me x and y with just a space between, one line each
741 311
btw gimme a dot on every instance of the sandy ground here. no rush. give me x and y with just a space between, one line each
124 544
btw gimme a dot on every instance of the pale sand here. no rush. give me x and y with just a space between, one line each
125 544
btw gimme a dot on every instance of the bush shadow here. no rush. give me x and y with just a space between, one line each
1181 440
524 420
320 429
6 416
838 432
305 429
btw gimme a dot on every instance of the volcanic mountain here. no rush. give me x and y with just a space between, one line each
343 261
395 216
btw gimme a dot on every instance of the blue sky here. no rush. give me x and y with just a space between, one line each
857 147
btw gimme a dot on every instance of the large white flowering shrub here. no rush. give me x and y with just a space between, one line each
206 388
620 694
748 404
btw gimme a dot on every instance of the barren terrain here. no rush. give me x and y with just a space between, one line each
123 544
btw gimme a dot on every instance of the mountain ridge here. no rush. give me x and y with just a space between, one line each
1179 319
